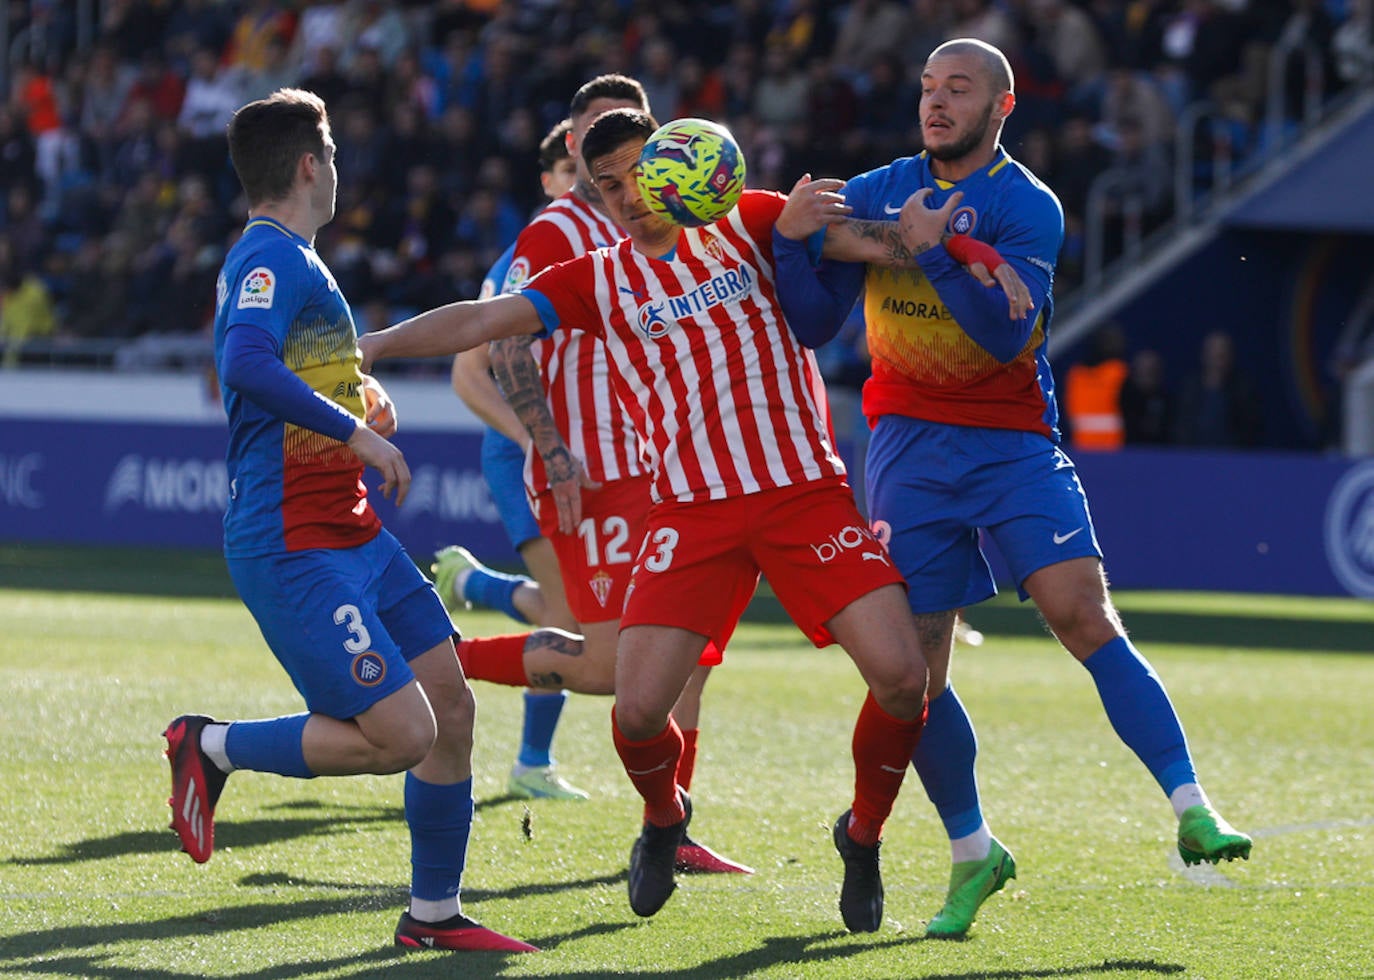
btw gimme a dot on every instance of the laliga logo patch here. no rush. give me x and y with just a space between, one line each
368 669
600 584
258 288
1350 530
651 322
516 275
963 221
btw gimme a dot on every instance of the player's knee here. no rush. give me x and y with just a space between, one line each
902 694
407 745
639 721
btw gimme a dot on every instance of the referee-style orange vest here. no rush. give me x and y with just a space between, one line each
1092 403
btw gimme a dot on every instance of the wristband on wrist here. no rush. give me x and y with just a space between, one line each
967 251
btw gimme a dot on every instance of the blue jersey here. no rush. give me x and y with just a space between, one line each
496 275
291 488
937 356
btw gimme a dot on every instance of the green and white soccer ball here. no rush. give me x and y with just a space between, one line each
691 171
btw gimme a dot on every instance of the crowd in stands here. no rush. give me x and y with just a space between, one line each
119 201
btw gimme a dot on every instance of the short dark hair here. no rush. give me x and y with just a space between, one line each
554 146
613 129
268 137
622 88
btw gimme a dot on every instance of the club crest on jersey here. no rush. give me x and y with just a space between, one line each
651 322
600 584
516 275
714 248
963 221
368 669
258 289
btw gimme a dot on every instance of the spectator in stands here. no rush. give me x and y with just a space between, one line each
17 157
1219 406
26 311
95 303
869 30
1092 393
212 96
1147 404
781 92
1071 39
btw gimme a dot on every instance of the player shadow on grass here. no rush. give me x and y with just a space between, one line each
333 819
55 951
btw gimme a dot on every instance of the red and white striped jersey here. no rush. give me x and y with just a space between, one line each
573 365
726 400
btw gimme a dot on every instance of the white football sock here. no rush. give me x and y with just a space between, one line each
212 738
975 847
1189 794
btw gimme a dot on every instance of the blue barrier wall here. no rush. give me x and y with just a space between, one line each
1167 519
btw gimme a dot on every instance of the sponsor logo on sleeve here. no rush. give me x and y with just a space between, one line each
516 275
258 289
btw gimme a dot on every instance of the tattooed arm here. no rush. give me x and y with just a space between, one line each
517 374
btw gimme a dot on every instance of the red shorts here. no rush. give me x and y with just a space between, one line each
597 559
701 561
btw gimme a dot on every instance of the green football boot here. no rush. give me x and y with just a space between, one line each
970 884
1204 836
448 565
542 784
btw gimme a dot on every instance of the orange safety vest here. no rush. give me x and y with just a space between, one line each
1092 402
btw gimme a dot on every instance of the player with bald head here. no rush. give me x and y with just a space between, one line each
966 442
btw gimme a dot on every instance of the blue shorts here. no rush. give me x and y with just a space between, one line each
503 464
932 487
344 622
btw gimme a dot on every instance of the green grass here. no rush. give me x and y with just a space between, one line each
310 876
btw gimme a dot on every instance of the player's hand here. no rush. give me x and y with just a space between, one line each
381 410
1019 302
923 228
811 205
567 479
368 346
385 458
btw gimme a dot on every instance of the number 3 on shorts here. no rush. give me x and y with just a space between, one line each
658 549
351 619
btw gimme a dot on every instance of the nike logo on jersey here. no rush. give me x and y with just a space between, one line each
1061 538
889 209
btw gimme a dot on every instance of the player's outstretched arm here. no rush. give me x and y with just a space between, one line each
452 328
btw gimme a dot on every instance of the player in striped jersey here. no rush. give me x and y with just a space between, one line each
966 438
361 633
583 470
731 410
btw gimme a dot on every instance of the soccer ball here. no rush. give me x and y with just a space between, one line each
691 172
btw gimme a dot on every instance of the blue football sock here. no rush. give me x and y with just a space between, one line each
944 760
269 745
1140 711
542 710
440 820
495 590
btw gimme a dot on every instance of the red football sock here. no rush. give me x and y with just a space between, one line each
652 767
498 659
687 765
882 751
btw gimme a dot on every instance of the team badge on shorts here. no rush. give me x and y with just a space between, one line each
600 584
368 669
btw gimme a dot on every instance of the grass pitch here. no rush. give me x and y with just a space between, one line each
309 876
